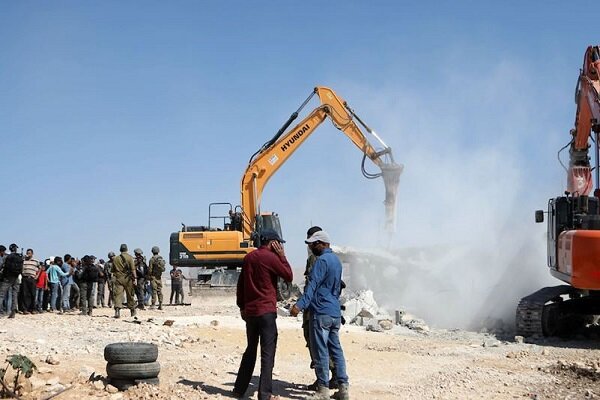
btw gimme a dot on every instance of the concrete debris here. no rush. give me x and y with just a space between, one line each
52 381
386 324
372 325
98 385
519 339
85 372
111 389
414 323
36 383
491 343
360 308
52 361
283 312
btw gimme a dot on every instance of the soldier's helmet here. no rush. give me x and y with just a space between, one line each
155 249
111 254
13 247
138 251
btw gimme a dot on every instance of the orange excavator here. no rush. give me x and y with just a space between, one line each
573 225
232 232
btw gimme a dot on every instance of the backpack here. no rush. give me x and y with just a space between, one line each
159 266
13 265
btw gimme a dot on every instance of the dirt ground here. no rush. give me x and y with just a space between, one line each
200 353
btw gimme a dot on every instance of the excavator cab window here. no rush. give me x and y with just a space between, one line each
267 221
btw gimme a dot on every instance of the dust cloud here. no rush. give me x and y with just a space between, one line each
471 250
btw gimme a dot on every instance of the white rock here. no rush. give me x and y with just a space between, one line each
36 382
55 388
111 389
53 381
86 371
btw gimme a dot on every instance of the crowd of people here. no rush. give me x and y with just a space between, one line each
70 284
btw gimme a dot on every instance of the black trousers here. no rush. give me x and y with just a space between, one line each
28 288
263 328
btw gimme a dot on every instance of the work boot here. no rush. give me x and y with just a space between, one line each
12 314
313 386
133 312
160 306
342 393
89 312
117 313
321 394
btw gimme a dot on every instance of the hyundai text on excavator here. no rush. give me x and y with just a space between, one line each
573 225
219 250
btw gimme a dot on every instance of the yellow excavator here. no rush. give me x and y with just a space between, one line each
232 232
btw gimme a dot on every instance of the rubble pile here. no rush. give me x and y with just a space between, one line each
360 308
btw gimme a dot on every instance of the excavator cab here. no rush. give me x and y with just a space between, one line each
266 221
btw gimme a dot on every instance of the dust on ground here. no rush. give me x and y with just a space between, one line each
201 350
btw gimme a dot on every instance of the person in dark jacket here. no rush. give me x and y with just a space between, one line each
141 270
12 268
257 299
88 275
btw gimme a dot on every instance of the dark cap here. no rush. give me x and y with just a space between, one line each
13 247
270 234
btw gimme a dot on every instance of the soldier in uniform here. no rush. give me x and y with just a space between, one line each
141 269
156 267
108 267
124 278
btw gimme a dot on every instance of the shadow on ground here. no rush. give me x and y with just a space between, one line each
281 388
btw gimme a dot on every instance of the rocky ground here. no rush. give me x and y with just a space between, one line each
200 350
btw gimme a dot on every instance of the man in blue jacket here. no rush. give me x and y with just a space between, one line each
322 298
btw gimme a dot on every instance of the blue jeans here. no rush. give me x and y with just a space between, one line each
66 293
39 298
53 295
325 338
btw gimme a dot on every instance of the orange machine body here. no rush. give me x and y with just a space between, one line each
579 259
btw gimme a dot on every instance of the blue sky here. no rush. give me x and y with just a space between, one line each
119 120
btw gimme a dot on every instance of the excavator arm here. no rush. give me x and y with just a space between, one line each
274 153
587 120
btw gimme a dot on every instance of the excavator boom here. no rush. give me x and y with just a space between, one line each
265 163
587 120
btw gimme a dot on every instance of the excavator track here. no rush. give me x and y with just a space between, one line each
539 313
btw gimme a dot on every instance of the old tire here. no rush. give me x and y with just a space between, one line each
133 371
130 353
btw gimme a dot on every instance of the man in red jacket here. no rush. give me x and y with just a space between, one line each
257 300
